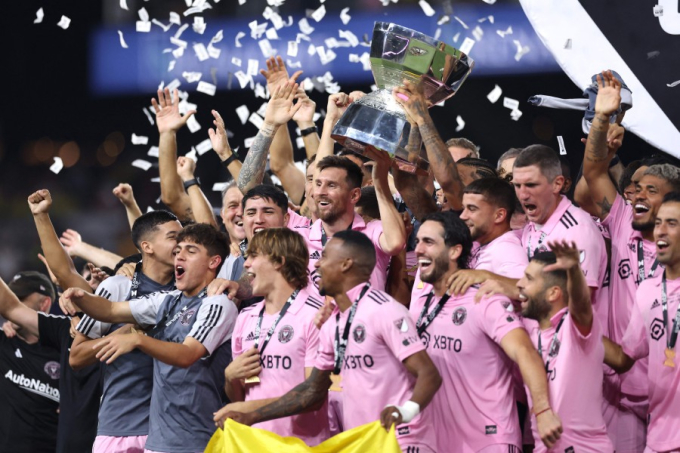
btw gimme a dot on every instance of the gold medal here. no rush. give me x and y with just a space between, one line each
253 380
670 358
335 386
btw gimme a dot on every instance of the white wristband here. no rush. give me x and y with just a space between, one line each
408 411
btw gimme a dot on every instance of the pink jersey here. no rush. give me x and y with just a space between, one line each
625 280
297 222
475 406
575 377
646 337
291 349
382 336
372 229
503 256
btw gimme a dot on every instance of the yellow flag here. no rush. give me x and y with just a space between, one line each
244 439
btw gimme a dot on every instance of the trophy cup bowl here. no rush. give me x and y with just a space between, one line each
377 121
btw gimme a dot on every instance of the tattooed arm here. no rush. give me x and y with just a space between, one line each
412 98
279 111
306 397
603 141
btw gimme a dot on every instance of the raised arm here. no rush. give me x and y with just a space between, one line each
393 238
279 111
75 246
281 159
200 205
614 356
220 144
517 345
580 306
601 189
97 307
169 121
124 193
337 104
56 257
304 119
13 310
412 98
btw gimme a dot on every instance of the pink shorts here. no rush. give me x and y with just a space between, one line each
110 444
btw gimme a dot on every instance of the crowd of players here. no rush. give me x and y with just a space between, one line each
493 314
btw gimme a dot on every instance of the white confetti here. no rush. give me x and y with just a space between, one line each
143 15
256 120
521 51
243 113
257 30
319 13
466 47
478 33
123 44
148 116
509 103
248 142
674 84
427 9
192 124
123 5
204 147
39 15
214 52
292 49
350 37
271 34
149 208
206 88
197 9
658 10
64 22
502 33
253 67
260 92
219 186
201 51
461 22
266 48
156 179
495 94
239 35
178 52
192 155
560 142
293 64
236 61
305 27
299 142
199 25
153 151
490 2
57 165
567 45
243 79
143 26
161 24
143 164
192 77
516 114
267 13
139 139
344 17
445 19
460 122
219 36
326 56
456 37
277 21
437 33
171 65
175 19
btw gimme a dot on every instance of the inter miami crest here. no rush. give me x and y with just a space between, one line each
53 369
185 319
459 316
286 334
402 325
359 333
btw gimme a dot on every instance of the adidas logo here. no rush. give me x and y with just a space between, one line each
250 337
656 303
315 256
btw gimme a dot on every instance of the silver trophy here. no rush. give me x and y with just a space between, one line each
377 121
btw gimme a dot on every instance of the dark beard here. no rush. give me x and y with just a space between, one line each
441 267
536 310
647 226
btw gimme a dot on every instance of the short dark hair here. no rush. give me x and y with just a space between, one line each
267 192
360 247
544 157
215 242
566 167
311 160
285 247
497 192
668 172
344 152
455 232
369 202
483 168
553 278
354 174
148 223
627 175
671 197
136 258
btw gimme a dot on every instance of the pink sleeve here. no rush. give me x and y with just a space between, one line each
398 331
374 230
585 342
635 343
237 336
497 321
312 346
619 217
514 264
325 355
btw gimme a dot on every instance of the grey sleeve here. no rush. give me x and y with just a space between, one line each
215 322
115 289
145 309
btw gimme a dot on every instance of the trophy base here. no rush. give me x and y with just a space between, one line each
378 122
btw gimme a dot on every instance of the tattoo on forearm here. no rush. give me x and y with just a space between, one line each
605 206
305 397
596 146
252 170
442 163
245 290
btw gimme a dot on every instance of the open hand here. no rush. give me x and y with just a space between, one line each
568 256
72 241
168 118
114 346
276 73
218 137
281 109
69 300
220 285
608 94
